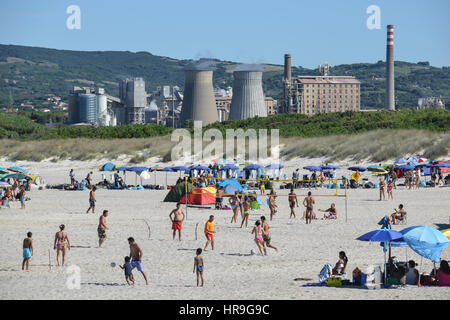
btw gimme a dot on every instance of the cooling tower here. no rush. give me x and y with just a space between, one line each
390 87
248 97
199 103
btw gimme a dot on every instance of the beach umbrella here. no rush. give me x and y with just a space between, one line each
427 242
18 169
375 168
179 168
4 185
413 163
400 161
274 166
229 167
4 170
359 168
380 172
446 233
122 168
253 167
312 168
381 235
404 167
441 165
424 165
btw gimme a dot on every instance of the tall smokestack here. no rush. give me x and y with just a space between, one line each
287 67
390 87
199 103
248 96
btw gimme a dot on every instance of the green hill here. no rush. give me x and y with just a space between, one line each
30 73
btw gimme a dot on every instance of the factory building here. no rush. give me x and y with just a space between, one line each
311 95
133 97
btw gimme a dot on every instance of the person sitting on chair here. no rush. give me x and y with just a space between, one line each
341 265
398 214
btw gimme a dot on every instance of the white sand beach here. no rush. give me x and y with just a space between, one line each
230 271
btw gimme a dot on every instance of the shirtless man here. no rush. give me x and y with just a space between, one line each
398 214
177 220
330 213
266 235
234 203
92 200
292 199
27 250
61 244
308 202
136 257
246 207
101 229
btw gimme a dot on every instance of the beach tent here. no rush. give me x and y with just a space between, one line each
400 161
177 192
108 167
200 196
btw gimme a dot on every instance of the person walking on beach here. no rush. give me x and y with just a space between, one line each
199 266
136 254
266 235
21 195
61 244
246 207
27 251
393 176
89 178
259 240
390 188
382 185
292 199
92 200
72 177
177 220
101 229
272 204
209 232
234 203
308 202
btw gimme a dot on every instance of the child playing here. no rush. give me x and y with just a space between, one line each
390 187
198 266
128 271
259 240
27 251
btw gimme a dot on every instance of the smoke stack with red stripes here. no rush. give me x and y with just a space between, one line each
390 87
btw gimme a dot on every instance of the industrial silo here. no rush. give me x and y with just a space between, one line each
199 103
102 112
248 96
87 104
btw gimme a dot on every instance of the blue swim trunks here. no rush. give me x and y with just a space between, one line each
26 253
22 199
137 263
200 268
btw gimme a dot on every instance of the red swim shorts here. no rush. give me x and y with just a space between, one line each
209 235
176 225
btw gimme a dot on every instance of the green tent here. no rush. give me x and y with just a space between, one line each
176 193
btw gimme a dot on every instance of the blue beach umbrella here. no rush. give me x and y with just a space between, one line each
359 168
427 242
404 167
312 168
274 166
329 167
252 167
441 165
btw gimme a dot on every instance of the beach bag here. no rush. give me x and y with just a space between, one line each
334 282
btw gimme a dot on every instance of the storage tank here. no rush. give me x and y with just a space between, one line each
87 104
199 103
102 111
248 96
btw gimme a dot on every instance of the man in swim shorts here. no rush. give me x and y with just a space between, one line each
266 235
246 207
136 257
101 229
92 199
308 202
27 250
177 220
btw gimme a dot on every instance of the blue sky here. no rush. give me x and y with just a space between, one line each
245 31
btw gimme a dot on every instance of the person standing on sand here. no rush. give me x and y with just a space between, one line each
72 177
266 235
199 266
209 232
234 203
21 195
308 202
382 185
61 244
259 240
92 200
136 257
101 229
89 178
390 188
27 250
246 207
292 199
177 220
272 204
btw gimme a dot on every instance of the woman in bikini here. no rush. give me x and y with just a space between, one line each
234 202
61 244
259 240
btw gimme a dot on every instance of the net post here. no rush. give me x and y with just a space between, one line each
345 183
186 193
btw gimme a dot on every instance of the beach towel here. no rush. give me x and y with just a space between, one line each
323 275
